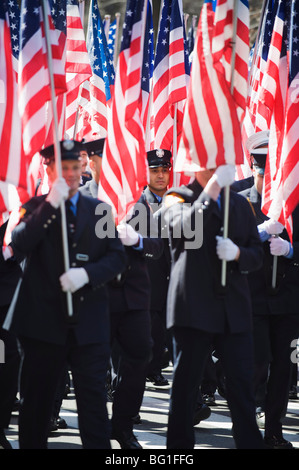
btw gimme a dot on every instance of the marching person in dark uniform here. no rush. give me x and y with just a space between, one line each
131 322
201 312
48 335
10 273
94 149
275 307
159 162
85 169
129 296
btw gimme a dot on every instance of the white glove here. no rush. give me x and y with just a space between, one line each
271 226
226 249
73 279
127 234
7 252
279 246
225 175
58 193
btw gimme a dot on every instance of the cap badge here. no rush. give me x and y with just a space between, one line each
68 144
160 153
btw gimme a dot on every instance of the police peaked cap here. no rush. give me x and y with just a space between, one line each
257 146
70 150
94 147
159 157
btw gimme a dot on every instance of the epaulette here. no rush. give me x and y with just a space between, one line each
173 198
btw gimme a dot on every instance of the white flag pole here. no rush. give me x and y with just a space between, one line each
227 188
82 13
115 54
57 151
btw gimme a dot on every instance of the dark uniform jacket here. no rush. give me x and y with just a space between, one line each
133 290
159 269
90 189
196 298
40 310
10 273
284 298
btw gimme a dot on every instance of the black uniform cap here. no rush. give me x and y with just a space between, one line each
159 157
94 147
70 150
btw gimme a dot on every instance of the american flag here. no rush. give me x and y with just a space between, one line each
97 91
9 170
112 37
211 128
78 67
14 23
171 74
34 81
281 182
257 115
147 73
124 166
13 166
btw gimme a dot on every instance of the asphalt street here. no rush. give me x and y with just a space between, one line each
213 433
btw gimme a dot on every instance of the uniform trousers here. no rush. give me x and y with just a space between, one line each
43 365
273 335
9 371
158 332
132 331
191 348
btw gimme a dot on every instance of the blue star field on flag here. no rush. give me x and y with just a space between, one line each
111 38
133 15
148 51
14 23
294 41
170 19
100 59
58 13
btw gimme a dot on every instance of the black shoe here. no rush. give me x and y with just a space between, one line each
136 419
201 413
16 405
158 381
260 417
4 443
277 443
209 399
53 425
61 423
293 393
126 440
67 390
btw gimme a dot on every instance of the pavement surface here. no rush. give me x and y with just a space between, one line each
213 433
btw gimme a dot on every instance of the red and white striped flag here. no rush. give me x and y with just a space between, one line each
124 163
13 164
211 127
257 114
281 181
171 75
78 67
34 81
95 93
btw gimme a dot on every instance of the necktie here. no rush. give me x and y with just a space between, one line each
71 218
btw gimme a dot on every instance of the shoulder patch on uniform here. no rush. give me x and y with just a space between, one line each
173 198
22 212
